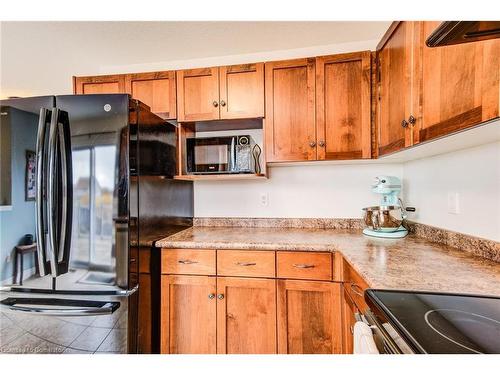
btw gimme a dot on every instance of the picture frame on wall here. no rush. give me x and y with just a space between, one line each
30 181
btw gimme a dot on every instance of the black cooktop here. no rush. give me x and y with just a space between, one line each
439 322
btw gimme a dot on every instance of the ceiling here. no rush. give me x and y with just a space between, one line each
38 53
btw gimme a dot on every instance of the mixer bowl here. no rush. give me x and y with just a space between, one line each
383 218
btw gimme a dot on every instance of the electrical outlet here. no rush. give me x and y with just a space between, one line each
264 199
453 203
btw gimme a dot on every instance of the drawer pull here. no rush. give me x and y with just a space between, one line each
187 261
246 264
303 266
356 289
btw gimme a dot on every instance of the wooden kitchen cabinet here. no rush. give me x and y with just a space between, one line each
309 317
246 316
343 112
241 91
188 314
396 75
227 92
106 84
459 85
198 94
156 89
349 310
290 131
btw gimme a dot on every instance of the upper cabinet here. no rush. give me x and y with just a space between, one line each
425 93
229 92
156 89
109 84
290 130
459 84
343 115
395 77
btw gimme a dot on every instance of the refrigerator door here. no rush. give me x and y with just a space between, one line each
83 299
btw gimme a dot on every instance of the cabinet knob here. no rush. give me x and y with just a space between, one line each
321 143
404 124
223 103
211 296
215 103
312 144
220 296
412 120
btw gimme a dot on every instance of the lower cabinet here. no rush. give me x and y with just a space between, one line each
309 317
188 316
246 316
349 310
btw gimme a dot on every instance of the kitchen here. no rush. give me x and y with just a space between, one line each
332 193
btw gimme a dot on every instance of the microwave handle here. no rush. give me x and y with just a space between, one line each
232 159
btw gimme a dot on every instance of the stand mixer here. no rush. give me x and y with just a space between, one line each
386 220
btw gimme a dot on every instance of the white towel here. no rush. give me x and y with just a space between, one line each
363 339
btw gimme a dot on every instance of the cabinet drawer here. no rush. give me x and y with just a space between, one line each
188 262
355 285
304 265
246 263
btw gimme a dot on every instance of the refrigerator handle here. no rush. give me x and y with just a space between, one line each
40 200
64 239
51 191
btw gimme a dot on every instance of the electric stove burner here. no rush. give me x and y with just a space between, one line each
440 323
463 328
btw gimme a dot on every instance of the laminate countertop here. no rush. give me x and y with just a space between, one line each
410 263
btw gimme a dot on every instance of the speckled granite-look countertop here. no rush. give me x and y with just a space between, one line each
411 263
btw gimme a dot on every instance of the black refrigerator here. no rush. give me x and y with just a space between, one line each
85 181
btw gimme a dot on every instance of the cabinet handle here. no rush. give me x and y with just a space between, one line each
187 261
245 264
303 266
412 120
220 296
352 330
321 143
356 289
211 296
215 103
222 103
404 124
312 144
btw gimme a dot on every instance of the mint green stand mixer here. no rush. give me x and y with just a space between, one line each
388 219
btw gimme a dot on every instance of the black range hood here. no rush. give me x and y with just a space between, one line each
456 32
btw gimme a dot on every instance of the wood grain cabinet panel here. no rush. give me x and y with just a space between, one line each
241 91
156 89
395 89
290 131
349 310
304 265
459 85
343 115
246 263
246 316
188 314
198 94
309 317
106 84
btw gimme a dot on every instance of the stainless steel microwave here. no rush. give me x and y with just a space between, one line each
231 154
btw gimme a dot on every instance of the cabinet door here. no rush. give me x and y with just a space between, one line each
157 90
242 91
290 132
188 314
343 106
460 85
309 317
395 87
198 94
349 309
110 84
246 316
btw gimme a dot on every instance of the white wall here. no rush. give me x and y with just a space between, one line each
316 191
472 173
